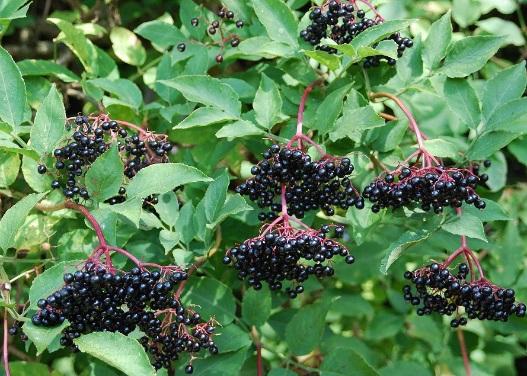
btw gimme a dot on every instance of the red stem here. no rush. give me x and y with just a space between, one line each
6 346
259 360
284 201
301 107
90 218
464 353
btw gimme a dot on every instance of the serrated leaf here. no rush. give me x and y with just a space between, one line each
461 98
105 175
376 33
14 218
33 67
14 9
499 26
12 91
278 19
304 332
49 127
240 128
167 208
505 86
256 306
215 196
166 176
437 42
340 361
466 224
492 212
208 91
127 47
470 54
384 48
43 337
213 298
234 204
160 33
124 90
185 224
442 148
511 117
131 358
354 121
222 364
332 107
203 116
331 61
405 241
489 143
267 103
231 338
50 281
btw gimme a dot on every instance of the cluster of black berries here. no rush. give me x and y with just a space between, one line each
275 257
16 329
430 188
438 290
95 299
342 21
310 185
91 139
225 15
148 202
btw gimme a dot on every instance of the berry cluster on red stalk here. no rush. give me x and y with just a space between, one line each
342 21
423 180
287 249
90 137
438 290
98 297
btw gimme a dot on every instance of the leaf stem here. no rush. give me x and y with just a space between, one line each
90 218
258 344
464 353
6 346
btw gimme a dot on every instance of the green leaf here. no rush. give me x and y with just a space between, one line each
405 368
14 9
354 121
240 128
75 39
256 306
465 12
167 176
32 67
105 175
511 117
405 241
213 298
220 365
470 54
384 48
267 103
493 212
9 167
15 217
442 148
518 148
278 20
331 61
12 91
234 204
127 47
304 332
341 361
185 223
42 337
50 281
437 42
505 86
208 91
203 116
466 224
124 90
461 98
489 143
215 196
168 208
332 105
231 338
130 358
377 33
50 121
508 29
281 372
160 33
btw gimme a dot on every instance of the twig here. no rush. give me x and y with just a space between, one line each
464 354
6 345
90 218
258 344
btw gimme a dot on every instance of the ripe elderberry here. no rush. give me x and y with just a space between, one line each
286 254
342 21
310 185
438 290
430 188
98 299
91 137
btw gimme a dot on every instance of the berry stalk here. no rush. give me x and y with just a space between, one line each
6 346
90 218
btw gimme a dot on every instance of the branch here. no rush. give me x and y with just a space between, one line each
464 354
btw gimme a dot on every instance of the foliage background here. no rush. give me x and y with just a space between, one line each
122 55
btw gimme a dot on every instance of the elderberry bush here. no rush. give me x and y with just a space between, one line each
432 188
342 21
89 140
437 290
277 258
310 185
96 299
